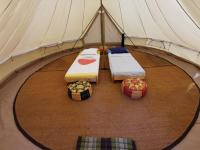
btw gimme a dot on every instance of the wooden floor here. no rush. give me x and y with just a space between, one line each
46 113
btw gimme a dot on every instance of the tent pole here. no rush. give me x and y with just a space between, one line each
102 26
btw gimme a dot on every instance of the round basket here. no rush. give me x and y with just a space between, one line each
80 90
134 88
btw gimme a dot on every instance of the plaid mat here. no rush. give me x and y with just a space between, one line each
94 143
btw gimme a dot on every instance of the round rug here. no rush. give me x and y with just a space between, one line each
48 117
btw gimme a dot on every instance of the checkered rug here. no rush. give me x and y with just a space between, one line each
95 143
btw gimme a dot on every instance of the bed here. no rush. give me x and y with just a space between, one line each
84 67
124 65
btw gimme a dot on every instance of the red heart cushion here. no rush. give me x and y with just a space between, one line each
86 61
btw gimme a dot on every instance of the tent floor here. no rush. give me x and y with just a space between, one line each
46 113
11 137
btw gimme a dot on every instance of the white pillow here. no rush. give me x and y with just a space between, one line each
90 51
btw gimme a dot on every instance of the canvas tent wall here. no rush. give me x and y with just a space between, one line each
111 34
37 28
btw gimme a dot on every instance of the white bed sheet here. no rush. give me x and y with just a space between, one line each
77 68
125 65
81 69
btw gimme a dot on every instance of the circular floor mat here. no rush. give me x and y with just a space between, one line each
46 114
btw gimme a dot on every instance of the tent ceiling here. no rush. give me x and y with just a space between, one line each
28 25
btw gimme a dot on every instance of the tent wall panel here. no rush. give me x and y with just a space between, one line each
177 50
57 26
10 66
4 5
61 47
155 43
136 41
94 33
91 8
161 21
197 61
14 29
192 7
38 27
74 25
26 26
152 19
112 34
114 7
132 23
17 34
15 63
150 27
181 23
183 52
7 13
52 23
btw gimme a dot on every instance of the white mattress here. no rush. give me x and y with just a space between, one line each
125 65
83 71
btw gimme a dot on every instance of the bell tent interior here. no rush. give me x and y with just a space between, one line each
99 74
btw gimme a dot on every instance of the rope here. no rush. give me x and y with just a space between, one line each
121 16
18 26
119 26
83 15
140 18
188 14
84 31
50 21
159 26
6 8
154 18
65 29
28 17
169 24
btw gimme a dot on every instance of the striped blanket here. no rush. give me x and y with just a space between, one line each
95 143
